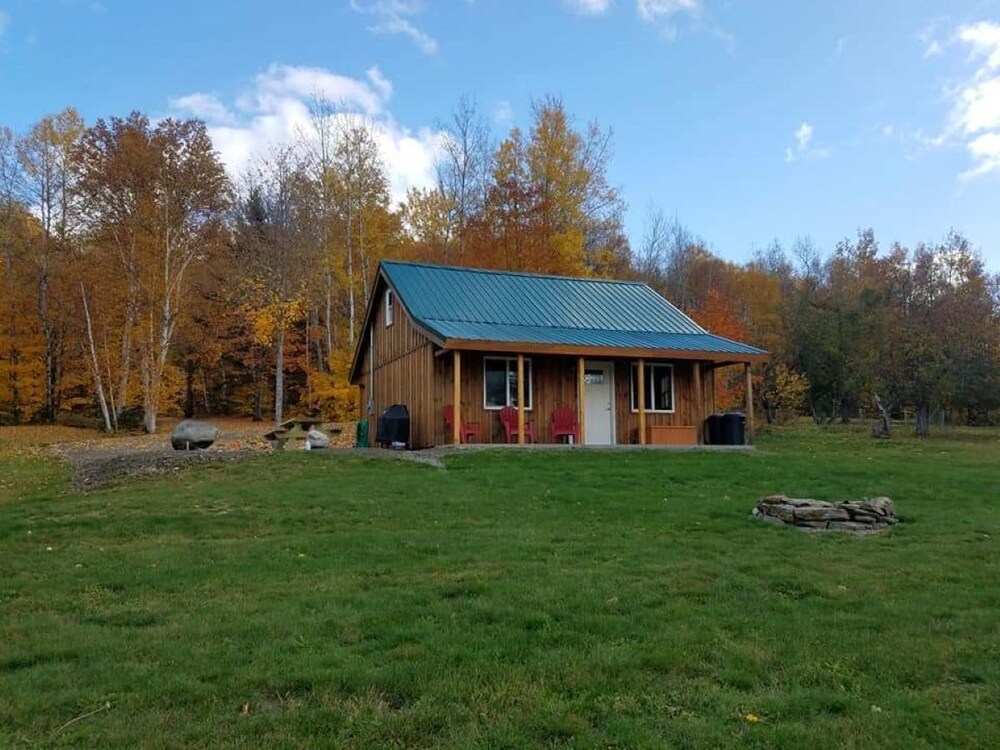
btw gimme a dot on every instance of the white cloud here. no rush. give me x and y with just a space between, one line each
279 82
803 135
933 49
984 38
589 7
665 15
379 81
974 117
392 17
655 10
276 111
978 106
203 106
803 148
986 150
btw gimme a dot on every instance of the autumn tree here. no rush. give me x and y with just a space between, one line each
154 197
717 313
511 217
275 238
425 214
47 157
362 192
948 332
22 375
320 147
568 172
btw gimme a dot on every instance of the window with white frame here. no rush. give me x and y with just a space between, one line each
659 387
388 307
500 382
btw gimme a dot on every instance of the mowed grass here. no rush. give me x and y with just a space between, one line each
544 599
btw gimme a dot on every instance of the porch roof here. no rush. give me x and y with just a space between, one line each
464 308
589 338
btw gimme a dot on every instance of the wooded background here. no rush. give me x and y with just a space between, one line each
138 278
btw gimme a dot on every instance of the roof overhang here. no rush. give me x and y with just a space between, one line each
508 347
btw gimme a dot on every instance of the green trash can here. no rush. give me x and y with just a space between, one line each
361 434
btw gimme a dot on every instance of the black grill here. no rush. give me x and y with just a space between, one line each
394 427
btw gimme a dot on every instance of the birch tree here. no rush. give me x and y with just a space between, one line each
48 167
275 236
362 189
155 196
321 146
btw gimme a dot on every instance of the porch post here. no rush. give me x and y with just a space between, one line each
642 402
456 422
581 399
698 406
520 399
749 375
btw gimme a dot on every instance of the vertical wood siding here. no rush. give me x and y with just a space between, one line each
406 371
627 421
553 380
403 370
554 384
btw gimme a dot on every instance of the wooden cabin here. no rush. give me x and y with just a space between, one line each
626 365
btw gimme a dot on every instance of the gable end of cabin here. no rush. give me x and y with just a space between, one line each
394 364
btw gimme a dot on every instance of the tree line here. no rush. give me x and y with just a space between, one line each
139 278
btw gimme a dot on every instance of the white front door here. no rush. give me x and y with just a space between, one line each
599 428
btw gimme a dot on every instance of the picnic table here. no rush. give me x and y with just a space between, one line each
291 434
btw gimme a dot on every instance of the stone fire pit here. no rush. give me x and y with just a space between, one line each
855 516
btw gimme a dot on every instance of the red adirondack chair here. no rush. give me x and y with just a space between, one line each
508 418
468 431
564 424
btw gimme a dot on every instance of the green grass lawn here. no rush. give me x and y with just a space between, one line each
547 599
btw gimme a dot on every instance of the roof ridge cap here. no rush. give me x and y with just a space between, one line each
529 274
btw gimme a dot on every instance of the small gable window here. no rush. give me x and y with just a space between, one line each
389 301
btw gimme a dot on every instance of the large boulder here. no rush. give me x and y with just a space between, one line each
858 516
317 440
192 434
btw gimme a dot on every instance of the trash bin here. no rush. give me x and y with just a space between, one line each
714 423
734 428
361 434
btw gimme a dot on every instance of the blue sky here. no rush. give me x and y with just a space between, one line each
748 120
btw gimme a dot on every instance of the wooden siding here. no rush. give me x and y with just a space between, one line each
627 421
553 380
406 371
554 383
403 371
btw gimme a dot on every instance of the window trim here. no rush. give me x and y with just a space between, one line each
390 308
632 383
511 361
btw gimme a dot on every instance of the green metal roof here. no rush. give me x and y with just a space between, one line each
484 305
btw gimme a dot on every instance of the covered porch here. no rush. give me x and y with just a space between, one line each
613 397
